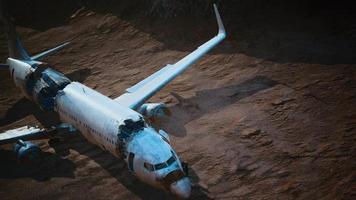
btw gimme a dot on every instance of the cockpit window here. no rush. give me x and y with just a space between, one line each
171 160
159 166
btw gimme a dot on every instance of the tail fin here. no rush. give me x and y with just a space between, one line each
16 50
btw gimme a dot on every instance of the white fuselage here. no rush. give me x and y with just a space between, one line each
99 118
95 115
147 153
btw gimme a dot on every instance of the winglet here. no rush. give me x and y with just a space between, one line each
220 23
139 93
48 52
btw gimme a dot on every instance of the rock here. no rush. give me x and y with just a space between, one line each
107 31
90 13
282 174
250 132
266 142
282 101
289 186
168 100
78 12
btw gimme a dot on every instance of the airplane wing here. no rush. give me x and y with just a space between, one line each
34 133
23 133
136 95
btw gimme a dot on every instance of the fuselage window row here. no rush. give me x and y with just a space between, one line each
90 130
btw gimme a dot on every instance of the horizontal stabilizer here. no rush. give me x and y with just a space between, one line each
48 52
4 66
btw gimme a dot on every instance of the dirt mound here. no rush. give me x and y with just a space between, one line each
266 115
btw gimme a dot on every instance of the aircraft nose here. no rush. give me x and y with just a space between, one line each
181 188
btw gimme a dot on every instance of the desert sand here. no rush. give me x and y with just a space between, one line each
268 114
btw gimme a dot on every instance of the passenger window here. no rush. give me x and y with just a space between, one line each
130 160
160 166
171 160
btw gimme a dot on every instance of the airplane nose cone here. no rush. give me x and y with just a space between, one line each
181 188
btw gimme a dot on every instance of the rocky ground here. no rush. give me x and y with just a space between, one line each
268 114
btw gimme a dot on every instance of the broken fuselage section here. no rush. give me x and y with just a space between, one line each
38 81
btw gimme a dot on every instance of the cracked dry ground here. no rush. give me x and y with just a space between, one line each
249 127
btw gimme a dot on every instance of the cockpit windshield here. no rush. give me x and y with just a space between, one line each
159 166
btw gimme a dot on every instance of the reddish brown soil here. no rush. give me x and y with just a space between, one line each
269 114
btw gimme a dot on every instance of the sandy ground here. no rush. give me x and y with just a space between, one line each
252 119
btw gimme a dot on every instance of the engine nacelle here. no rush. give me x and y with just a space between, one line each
154 110
27 152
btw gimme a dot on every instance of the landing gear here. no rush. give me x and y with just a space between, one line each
185 168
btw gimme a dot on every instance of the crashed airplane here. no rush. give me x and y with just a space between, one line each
119 125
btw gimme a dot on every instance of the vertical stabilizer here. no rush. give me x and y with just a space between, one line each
16 49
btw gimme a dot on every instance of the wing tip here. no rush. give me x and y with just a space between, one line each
220 23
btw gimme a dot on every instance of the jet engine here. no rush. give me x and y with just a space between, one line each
27 152
154 111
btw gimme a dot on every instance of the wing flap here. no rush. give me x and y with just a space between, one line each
139 93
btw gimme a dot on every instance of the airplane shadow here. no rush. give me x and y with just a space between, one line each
79 75
210 100
23 108
118 169
50 166
262 30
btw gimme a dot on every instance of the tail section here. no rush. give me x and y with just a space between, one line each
16 50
